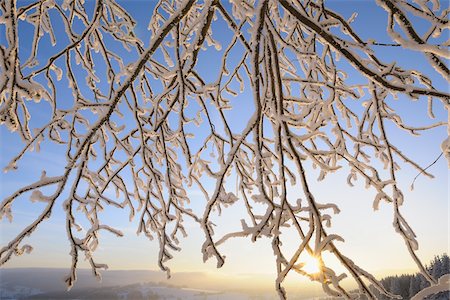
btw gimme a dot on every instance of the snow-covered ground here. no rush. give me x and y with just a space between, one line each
120 285
129 292
17 291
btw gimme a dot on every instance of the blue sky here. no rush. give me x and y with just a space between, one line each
367 234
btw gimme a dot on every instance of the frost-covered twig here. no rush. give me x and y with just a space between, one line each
153 125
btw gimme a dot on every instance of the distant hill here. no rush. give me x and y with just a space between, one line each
41 283
140 291
47 284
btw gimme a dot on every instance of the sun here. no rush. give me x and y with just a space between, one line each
311 263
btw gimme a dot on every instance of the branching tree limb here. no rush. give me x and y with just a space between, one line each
134 117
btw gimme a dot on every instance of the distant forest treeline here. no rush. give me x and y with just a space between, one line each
408 285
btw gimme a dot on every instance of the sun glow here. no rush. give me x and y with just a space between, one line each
311 264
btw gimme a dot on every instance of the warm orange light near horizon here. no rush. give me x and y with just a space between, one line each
311 263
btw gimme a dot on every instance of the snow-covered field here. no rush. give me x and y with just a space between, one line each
130 292
121 285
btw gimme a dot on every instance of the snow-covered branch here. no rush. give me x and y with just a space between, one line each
140 131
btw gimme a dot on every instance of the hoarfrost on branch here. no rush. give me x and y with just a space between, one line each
302 112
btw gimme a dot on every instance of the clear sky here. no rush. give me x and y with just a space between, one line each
369 236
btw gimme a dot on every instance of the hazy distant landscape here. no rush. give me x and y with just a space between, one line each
42 283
